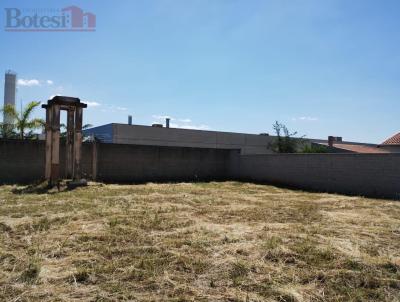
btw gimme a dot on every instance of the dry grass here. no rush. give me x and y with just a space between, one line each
197 242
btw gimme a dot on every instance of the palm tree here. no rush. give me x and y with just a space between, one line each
6 130
63 127
22 121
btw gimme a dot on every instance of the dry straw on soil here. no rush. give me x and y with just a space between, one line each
197 242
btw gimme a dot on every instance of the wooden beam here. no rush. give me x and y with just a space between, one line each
70 142
78 144
48 131
55 145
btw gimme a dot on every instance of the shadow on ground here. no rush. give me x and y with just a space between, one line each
43 187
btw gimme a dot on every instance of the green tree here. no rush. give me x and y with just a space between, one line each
7 130
314 148
23 124
285 141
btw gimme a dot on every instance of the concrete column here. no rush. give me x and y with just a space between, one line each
48 131
70 142
78 144
55 144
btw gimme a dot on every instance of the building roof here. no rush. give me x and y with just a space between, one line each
394 140
358 148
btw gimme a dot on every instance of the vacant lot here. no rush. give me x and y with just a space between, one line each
197 242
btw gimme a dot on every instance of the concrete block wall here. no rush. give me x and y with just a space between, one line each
357 174
376 175
24 162
21 161
132 163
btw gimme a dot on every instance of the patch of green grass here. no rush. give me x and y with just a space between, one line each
272 242
238 272
30 273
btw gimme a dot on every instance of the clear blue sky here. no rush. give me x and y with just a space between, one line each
321 67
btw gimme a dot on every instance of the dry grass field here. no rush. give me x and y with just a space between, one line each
225 241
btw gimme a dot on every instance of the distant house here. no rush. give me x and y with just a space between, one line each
356 148
392 144
335 144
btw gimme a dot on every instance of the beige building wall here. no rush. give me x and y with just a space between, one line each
146 135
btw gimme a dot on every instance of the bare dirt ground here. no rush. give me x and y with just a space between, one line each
225 241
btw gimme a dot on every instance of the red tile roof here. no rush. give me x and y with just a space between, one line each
358 148
394 140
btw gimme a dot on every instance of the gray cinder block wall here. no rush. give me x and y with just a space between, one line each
24 162
21 161
133 163
357 174
376 175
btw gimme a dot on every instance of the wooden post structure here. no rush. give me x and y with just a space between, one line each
78 143
55 144
48 126
74 109
69 146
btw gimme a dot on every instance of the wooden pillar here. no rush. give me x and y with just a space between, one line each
70 142
48 129
78 144
55 144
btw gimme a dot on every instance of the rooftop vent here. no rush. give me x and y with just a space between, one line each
129 119
334 139
157 125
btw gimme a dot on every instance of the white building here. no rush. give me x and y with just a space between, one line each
10 89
